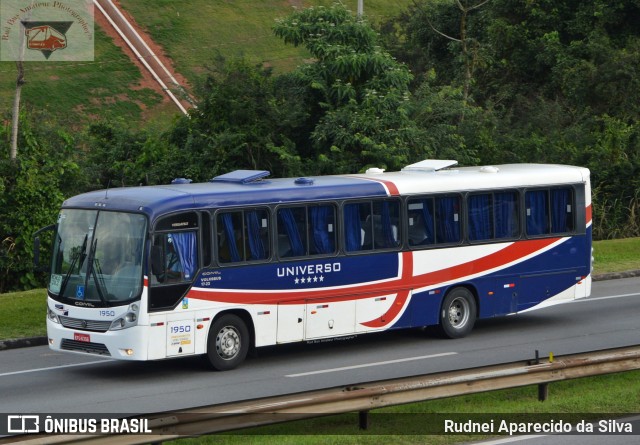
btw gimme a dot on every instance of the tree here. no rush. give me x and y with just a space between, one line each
32 188
243 121
362 93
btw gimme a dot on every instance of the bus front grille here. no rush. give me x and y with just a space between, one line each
81 346
85 325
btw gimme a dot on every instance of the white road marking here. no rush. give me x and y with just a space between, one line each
367 365
512 439
584 300
26 371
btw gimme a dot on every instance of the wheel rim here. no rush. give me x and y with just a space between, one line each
228 342
459 313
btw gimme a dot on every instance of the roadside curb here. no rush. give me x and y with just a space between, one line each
41 341
22 342
616 275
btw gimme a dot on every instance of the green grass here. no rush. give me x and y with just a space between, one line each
193 33
616 255
23 314
81 92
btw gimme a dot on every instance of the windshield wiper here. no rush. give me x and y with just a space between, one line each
73 265
91 270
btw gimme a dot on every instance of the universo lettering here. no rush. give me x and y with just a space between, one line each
309 269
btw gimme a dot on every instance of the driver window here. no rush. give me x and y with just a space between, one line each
175 257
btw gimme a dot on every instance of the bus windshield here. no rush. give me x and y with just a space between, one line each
97 258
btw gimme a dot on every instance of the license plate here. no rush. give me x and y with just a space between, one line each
82 337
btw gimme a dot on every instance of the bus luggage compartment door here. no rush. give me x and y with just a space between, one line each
290 321
327 318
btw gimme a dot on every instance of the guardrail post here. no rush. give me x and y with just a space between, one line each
543 391
363 420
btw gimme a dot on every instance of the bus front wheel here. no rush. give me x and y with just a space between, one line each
228 342
458 313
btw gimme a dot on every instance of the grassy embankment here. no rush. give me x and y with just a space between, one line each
75 93
193 33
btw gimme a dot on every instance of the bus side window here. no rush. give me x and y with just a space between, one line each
537 207
292 233
257 234
421 228
386 216
322 234
371 225
353 230
506 215
230 241
447 210
243 236
480 216
562 219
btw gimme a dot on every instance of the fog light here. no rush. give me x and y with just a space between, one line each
51 341
129 352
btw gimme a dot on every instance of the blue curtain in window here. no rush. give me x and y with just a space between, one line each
537 218
322 239
427 215
448 220
506 215
388 240
185 244
289 223
352 228
560 217
479 217
256 246
227 223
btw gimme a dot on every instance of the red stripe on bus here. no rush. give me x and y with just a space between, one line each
392 189
404 282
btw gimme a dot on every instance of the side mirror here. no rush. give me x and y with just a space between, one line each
36 248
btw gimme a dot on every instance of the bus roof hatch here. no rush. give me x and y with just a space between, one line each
242 176
429 165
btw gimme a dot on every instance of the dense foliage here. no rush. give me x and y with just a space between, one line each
480 82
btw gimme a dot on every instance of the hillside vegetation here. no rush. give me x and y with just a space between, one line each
77 93
193 33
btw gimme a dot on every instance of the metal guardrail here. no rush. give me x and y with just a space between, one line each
360 397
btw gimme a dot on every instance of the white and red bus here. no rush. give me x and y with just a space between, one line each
242 261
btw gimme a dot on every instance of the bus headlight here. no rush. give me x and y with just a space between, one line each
129 320
52 316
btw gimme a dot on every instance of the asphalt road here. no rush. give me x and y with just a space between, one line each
37 380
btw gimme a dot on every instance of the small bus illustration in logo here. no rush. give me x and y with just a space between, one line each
45 38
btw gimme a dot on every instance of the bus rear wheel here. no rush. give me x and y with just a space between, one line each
458 313
228 342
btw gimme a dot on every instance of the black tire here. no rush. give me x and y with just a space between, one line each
458 313
228 343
